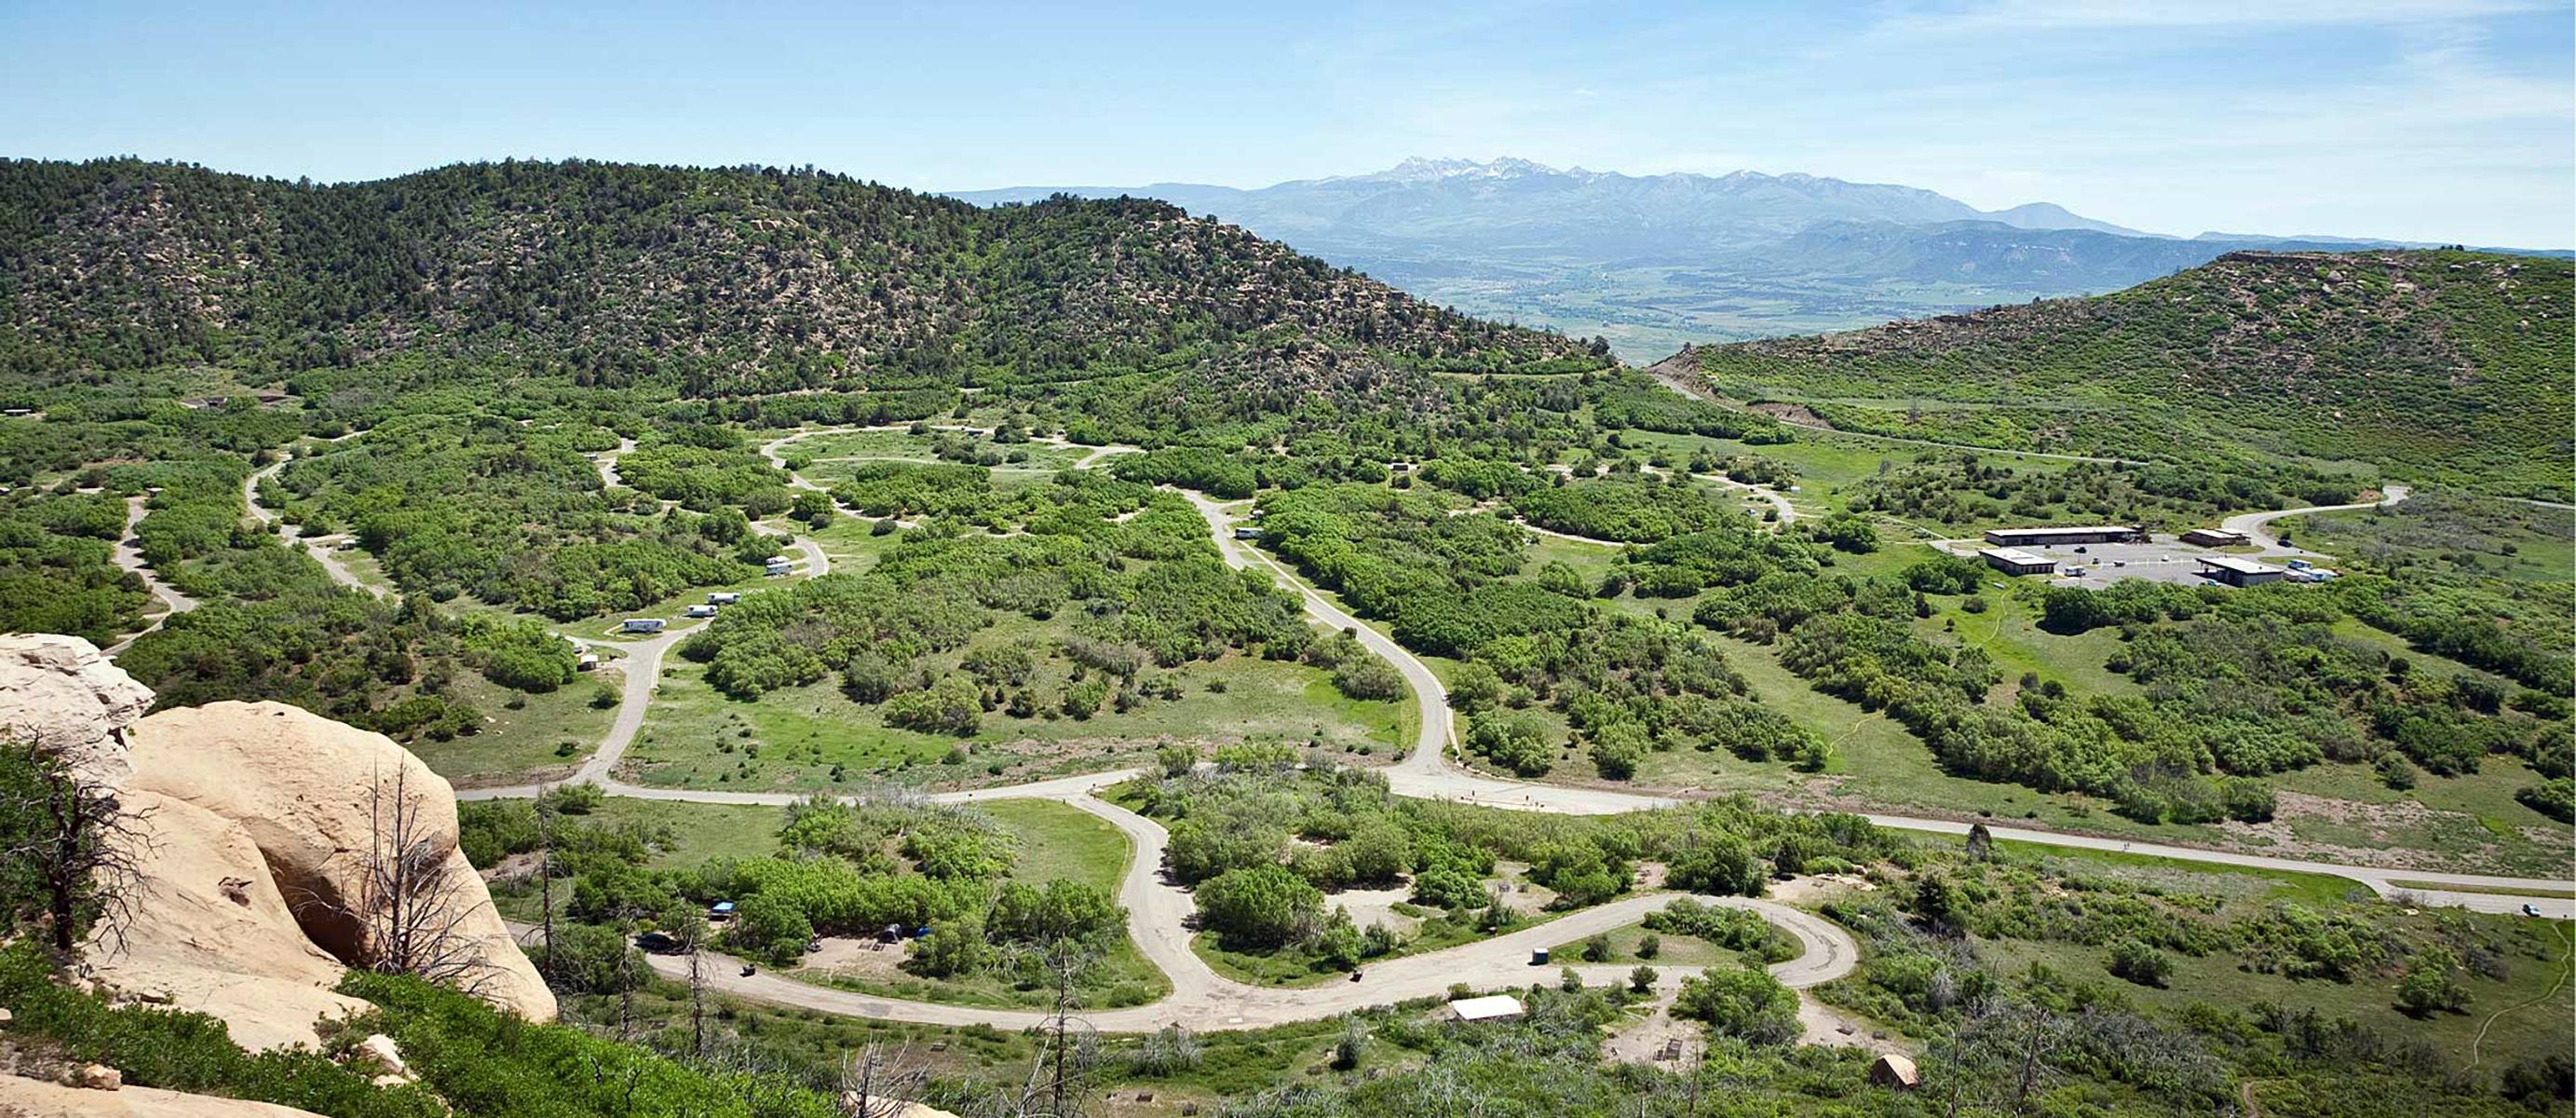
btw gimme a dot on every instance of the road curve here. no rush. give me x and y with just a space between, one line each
293 534
2254 523
1428 771
2378 880
1499 963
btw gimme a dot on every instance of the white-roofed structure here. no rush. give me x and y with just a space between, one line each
2015 561
1492 1007
2239 572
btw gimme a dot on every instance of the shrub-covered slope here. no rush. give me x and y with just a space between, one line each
735 281
2451 366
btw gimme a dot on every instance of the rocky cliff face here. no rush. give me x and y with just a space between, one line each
258 823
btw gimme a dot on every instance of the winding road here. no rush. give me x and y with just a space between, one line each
1204 1000
1159 911
293 533
129 555
2253 524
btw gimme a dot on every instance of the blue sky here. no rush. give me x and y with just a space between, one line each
2417 119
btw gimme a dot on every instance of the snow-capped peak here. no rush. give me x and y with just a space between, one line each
1419 169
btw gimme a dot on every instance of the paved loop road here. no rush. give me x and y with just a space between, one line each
1158 911
1203 1000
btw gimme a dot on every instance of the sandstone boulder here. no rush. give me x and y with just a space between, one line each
311 794
29 1098
379 1053
62 692
213 933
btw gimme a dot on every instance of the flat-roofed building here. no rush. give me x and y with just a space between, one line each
2015 561
2053 537
2236 571
2213 537
1492 1007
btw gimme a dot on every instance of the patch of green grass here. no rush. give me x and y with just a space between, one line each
698 833
1060 841
522 745
2250 884
1676 951
2009 633
1293 967
2538 959
792 739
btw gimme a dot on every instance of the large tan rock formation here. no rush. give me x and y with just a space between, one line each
29 1098
256 829
61 692
312 795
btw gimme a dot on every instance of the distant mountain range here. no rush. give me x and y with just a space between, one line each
1654 261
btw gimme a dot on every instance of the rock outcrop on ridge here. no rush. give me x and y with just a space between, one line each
312 795
31 1098
255 831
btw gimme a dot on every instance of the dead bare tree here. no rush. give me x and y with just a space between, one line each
695 941
1058 1082
546 879
412 903
67 836
878 1084
626 985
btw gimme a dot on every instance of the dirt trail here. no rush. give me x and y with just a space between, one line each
129 555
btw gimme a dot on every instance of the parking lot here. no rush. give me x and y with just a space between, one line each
2166 559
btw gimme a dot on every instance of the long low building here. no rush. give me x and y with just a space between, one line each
2214 537
2015 561
2052 537
2240 572
1492 1007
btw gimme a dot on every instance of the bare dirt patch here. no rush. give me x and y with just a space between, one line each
1790 413
2393 828
1376 906
857 957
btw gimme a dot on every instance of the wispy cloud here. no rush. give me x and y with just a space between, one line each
2105 15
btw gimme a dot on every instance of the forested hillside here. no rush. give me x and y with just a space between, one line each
732 282
2436 366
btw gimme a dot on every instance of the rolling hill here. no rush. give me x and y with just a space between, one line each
732 281
2428 365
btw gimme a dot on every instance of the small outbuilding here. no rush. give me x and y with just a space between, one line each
1893 1070
2239 572
1492 1007
2015 561
587 662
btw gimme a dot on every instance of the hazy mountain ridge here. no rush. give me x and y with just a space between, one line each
1653 261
